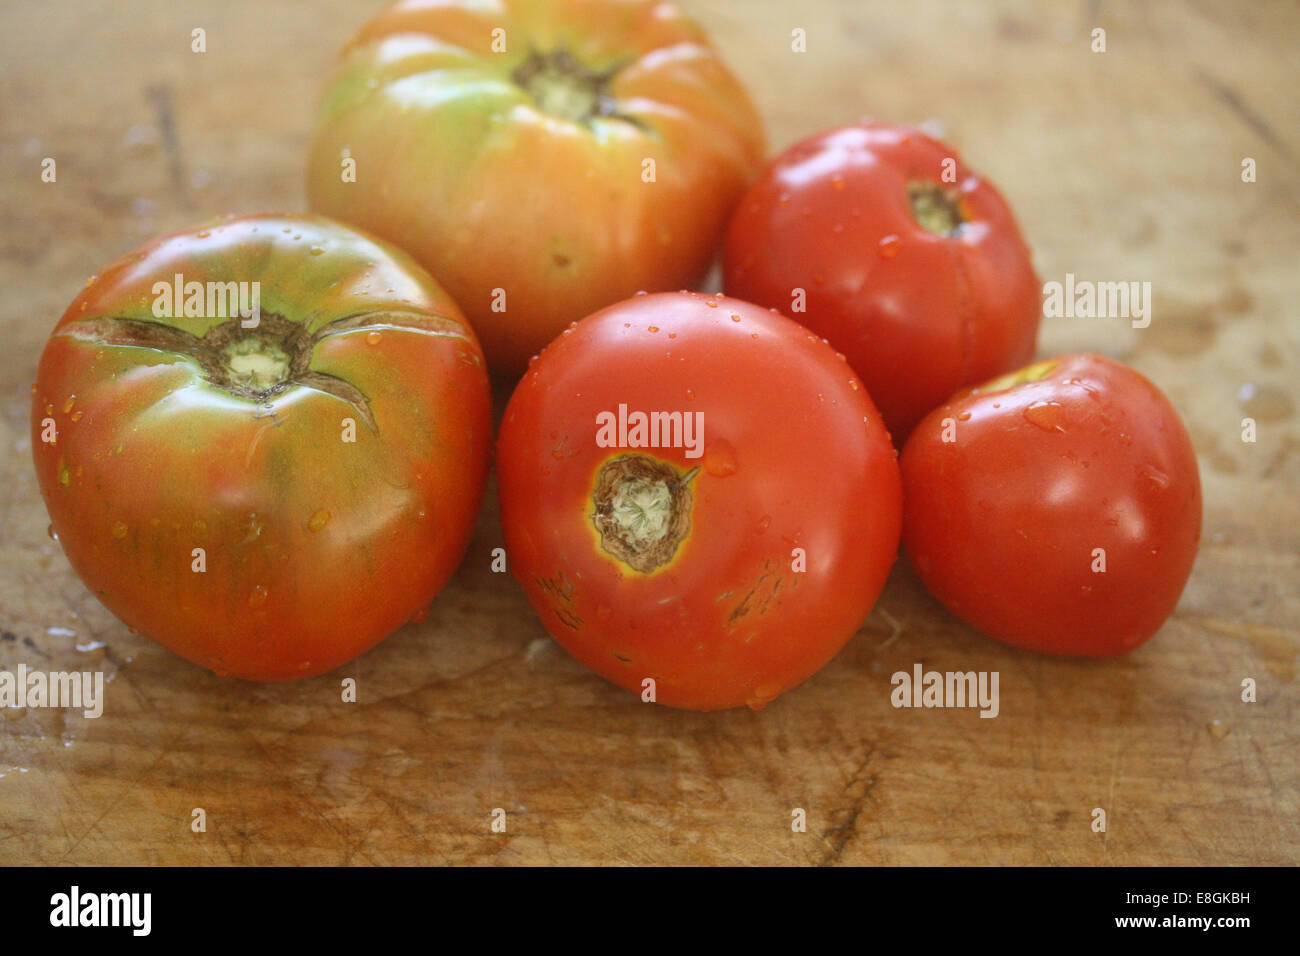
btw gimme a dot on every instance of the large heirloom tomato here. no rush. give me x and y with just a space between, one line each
262 443
1057 509
906 260
699 498
542 160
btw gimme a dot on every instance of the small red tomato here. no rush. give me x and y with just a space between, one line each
698 497
881 240
1057 508
263 442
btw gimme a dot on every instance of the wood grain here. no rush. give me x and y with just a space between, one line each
1122 165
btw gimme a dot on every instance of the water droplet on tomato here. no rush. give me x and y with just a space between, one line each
1154 475
119 530
889 246
734 317
257 597
318 520
1049 416
963 417
318 251
373 338
720 458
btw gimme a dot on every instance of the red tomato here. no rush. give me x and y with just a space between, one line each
737 557
268 495
542 160
922 281
1057 509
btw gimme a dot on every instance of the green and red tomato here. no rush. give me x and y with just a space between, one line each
541 160
263 442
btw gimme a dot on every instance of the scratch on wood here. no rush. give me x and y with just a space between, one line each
858 789
1232 99
161 96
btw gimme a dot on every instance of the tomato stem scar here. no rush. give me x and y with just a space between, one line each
937 209
562 86
642 510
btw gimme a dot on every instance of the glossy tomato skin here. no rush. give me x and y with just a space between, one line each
917 314
1007 521
794 456
248 532
537 202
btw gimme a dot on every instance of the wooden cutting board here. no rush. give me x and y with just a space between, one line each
1122 165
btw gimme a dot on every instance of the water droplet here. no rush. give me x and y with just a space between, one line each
764 523
318 520
119 530
764 694
373 338
889 246
54 535
734 317
68 403
720 458
654 328
257 597
711 303
1218 729
318 251
1049 416
963 417
1154 475
690 394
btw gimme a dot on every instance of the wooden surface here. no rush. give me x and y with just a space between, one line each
1122 166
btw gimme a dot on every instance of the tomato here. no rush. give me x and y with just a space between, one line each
542 160
266 491
1056 509
921 279
725 555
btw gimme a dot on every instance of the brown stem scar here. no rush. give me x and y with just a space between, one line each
642 510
